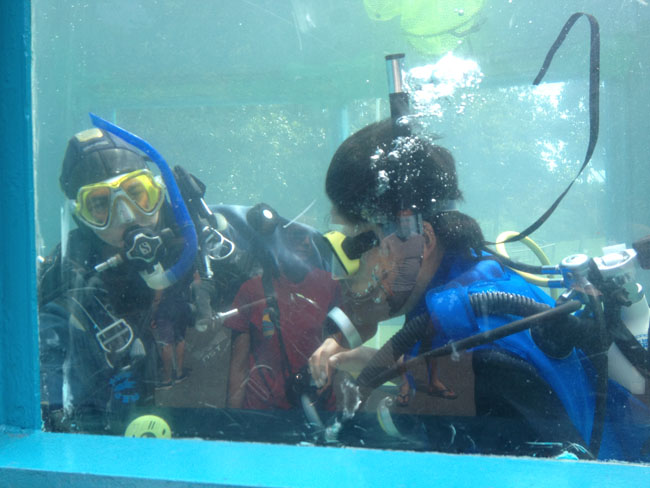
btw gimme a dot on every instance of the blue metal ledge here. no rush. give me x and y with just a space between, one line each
67 460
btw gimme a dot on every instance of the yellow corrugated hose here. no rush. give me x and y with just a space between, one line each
530 244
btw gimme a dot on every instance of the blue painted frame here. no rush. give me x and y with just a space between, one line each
29 457
18 335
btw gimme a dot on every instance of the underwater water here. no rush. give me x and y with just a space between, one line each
254 96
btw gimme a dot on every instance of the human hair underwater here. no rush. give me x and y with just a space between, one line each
373 176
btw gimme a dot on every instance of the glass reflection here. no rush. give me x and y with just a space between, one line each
251 337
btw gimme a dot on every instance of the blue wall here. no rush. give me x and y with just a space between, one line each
31 458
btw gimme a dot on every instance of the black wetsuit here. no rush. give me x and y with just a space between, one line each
95 370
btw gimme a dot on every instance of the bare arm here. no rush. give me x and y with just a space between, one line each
321 364
352 360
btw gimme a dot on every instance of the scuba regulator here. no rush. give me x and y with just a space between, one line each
611 312
610 326
145 248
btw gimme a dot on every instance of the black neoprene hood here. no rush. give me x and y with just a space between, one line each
96 155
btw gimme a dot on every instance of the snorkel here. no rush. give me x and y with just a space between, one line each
348 250
398 98
160 279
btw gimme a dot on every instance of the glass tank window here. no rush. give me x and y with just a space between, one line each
345 223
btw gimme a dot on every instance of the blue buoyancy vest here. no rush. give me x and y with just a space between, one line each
571 378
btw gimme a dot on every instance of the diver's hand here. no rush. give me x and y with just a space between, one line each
320 366
352 360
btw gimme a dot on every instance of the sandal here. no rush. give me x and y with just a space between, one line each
182 377
445 393
164 385
403 399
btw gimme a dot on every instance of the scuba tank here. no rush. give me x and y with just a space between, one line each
631 335
636 318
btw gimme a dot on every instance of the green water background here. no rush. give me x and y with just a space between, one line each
254 96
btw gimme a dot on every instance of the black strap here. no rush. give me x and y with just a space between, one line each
594 103
261 372
97 323
274 315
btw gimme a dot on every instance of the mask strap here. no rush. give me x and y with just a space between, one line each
594 102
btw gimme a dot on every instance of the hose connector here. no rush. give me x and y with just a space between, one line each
346 327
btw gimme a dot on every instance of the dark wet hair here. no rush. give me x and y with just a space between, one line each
373 176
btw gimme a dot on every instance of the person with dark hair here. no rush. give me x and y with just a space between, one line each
406 249
403 192
278 323
103 305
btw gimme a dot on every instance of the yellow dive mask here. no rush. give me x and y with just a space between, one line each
139 188
347 250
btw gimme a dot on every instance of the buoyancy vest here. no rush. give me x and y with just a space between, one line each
571 378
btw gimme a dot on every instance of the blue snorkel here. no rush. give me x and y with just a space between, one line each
161 279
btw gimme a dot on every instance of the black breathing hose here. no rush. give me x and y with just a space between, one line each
382 367
383 362
502 303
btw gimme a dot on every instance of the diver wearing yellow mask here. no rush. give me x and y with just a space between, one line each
110 184
101 321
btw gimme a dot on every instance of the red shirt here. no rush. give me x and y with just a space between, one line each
303 308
